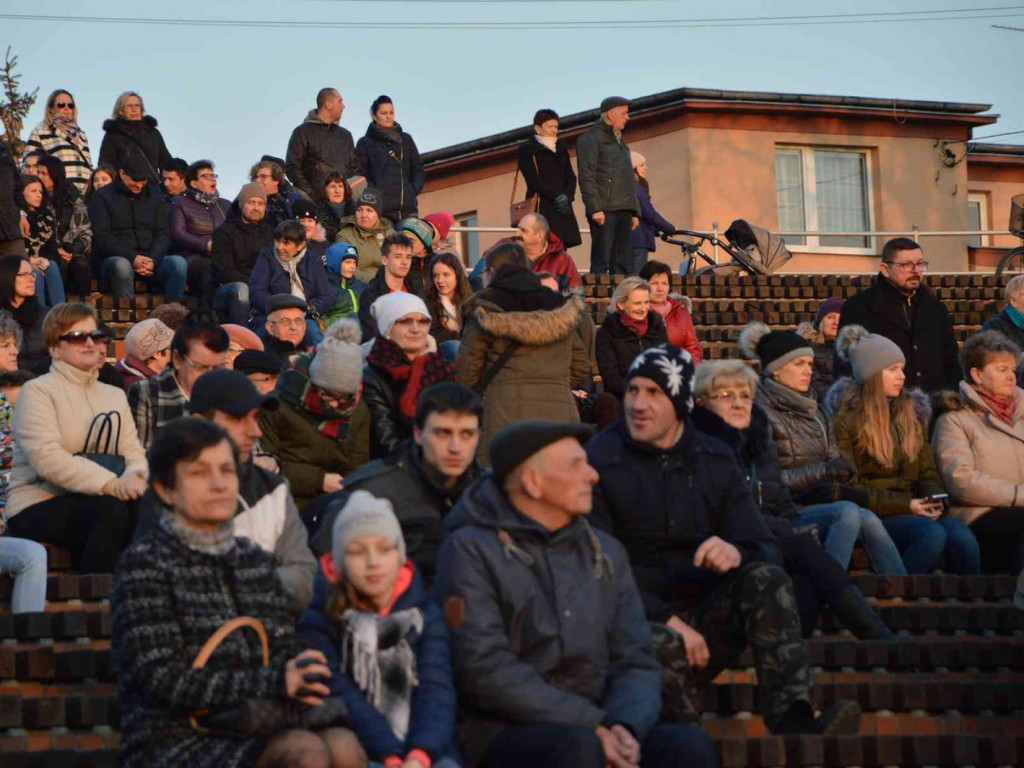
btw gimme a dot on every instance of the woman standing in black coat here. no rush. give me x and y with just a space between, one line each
130 131
629 328
544 162
390 161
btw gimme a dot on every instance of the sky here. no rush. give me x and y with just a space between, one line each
233 93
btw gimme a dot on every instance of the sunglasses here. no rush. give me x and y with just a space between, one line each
64 105
80 337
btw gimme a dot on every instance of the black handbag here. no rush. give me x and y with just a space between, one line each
261 718
103 423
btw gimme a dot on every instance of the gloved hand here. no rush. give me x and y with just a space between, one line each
840 470
562 205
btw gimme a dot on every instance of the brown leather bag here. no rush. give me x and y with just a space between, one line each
516 211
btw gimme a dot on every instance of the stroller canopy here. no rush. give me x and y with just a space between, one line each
767 252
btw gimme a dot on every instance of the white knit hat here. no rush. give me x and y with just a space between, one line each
338 363
364 515
394 306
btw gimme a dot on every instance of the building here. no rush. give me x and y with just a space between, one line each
787 162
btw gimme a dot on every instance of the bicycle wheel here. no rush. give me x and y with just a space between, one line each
1012 263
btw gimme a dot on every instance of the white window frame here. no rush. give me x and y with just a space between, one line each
981 198
813 243
467 242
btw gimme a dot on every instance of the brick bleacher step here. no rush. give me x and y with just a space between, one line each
60 750
63 623
947 616
55 706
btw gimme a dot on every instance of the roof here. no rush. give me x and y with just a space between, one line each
1012 150
674 100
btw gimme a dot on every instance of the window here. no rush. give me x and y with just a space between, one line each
469 242
824 190
977 218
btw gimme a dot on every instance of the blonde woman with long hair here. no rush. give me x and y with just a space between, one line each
882 428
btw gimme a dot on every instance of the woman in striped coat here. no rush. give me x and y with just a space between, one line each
59 135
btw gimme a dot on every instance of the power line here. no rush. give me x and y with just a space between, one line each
957 14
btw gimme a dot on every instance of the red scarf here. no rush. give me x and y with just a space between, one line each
1004 408
639 327
418 374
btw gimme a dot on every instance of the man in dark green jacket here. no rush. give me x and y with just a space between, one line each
608 188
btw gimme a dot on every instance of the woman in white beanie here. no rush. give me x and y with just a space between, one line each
883 430
643 239
321 431
402 362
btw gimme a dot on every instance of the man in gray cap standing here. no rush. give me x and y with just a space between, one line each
608 188
554 663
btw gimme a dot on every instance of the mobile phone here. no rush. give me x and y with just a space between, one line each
937 497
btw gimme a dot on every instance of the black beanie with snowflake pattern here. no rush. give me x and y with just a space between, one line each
672 369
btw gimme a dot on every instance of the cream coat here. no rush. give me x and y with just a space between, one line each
50 425
980 457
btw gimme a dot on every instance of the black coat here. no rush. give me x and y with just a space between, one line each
236 244
547 626
607 181
662 504
391 163
418 494
824 369
919 325
10 216
125 225
1004 325
134 137
315 149
33 355
549 174
374 290
615 347
389 427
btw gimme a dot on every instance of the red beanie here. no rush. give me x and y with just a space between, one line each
442 222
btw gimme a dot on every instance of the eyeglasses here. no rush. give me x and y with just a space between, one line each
201 369
78 338
208 176
290 322
736 397
30 273
264 176
910 266
63 105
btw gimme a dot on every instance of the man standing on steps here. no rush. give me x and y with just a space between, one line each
901 307
320 145
705 563
608 188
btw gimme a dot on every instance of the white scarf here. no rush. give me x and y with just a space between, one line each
291 266
547 141
451 315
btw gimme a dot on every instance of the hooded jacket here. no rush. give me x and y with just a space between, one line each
391 162
123 137
980 457
434 703
890 489
125 224
920 325
193 222
662 504
236 246
315 149
606 171
547 626
616 346
537 380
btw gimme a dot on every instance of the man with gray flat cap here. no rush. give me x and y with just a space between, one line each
553 660
608 188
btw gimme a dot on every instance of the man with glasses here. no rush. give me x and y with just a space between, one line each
198 346
901 307
286 326
194 216
130 238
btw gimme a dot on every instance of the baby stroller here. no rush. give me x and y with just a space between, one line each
752 250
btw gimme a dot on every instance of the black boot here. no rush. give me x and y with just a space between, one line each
842 718
859 617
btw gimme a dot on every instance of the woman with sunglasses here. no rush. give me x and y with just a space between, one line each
402 362
58 495
60 136
321 431
18 297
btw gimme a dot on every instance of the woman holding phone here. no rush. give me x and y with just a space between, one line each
882 429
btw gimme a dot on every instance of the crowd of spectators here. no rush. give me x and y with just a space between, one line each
390 467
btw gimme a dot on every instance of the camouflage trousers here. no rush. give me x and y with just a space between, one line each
753 606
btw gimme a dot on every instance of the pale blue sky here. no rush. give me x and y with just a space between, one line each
232 94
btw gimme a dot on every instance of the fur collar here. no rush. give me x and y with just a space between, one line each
812 334
844 395
119 123
533 329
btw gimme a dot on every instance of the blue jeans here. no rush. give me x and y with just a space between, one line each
233 300
921 541
449 350
49 286
841 523
171 272
26 561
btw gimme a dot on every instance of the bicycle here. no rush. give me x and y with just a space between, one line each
751 249
1012 263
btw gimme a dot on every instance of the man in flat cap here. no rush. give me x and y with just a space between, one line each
608 188
553 659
